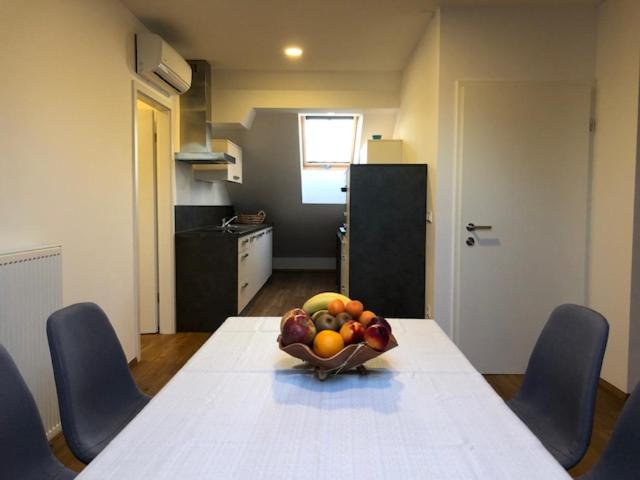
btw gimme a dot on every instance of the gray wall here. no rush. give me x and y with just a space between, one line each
271 171
193 192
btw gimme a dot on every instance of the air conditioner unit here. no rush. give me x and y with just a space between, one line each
161 65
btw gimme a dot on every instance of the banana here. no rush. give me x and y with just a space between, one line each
321 301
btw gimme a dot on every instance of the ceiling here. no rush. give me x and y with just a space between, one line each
336 35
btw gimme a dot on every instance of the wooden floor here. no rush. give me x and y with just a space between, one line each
163 355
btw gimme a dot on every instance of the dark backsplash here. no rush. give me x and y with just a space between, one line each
189 217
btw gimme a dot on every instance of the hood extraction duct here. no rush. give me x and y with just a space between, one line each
195 119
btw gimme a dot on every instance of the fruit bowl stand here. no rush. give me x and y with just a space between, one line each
351 356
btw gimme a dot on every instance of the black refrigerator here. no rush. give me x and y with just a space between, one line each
384 249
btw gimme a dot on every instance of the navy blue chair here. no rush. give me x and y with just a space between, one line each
24 451
96 392
621 458
558 393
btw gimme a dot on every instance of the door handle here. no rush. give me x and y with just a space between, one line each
471 227
245 255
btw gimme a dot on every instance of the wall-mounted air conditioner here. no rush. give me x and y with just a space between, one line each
161 65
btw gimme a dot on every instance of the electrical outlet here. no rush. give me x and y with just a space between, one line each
428 312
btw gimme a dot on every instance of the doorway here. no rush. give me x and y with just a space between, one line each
148 291
521 248
154 215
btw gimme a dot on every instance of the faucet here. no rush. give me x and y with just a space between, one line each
226 222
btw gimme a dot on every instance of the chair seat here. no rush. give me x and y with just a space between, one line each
97 395
24 451
558 393
620 460
64 474
48 468
94 441
543 427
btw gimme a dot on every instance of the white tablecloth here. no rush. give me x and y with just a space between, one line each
243 409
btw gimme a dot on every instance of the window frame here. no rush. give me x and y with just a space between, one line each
356 121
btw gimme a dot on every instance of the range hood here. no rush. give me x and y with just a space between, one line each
195 119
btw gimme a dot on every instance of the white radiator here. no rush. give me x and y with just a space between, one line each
30 290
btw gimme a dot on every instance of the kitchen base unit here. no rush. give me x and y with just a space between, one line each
218 273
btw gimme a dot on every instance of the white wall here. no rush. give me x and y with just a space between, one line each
190 191
614 188
417 125
487 43
236 94
67 155
378 123
524 43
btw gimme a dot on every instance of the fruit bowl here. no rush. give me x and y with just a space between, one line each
343 334
351 356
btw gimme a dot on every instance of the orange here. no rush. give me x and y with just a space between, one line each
366 317
335 307
327 343
354 308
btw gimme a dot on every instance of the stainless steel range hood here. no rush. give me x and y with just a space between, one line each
195 119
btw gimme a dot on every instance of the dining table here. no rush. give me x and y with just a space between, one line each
241 408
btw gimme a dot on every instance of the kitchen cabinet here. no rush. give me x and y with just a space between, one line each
218 274
381 151
254 264
230 172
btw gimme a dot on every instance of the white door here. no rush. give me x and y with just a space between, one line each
523 152
147 220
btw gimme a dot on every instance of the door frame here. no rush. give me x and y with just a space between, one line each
165 213
457 230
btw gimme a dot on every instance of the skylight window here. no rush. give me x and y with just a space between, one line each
328 139
328 145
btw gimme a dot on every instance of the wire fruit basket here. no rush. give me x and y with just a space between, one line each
252 219
351 356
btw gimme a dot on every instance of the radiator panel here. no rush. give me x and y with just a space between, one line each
30 290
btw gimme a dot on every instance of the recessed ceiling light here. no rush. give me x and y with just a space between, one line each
293 52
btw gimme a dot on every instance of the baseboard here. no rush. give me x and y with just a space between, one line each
305 270
304 263
613 390
54 432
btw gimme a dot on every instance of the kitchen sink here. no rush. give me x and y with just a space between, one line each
232 228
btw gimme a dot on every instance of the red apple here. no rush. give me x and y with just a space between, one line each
298 329
380 321
352 332
377 337
294 312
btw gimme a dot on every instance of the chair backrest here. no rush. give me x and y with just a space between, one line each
24 452
91 372
621 458
562 377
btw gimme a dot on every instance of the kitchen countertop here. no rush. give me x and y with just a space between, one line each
215 231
